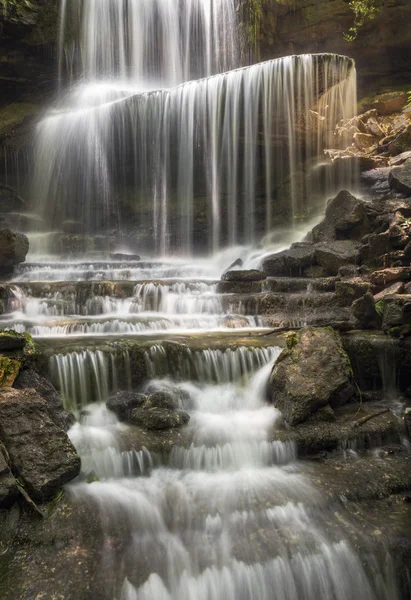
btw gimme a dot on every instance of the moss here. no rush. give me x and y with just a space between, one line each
9 369
379 307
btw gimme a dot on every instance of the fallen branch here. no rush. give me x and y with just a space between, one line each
371 416
28 499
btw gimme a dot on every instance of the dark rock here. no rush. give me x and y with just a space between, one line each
152 417
126 257
314 371
11 340
166 399
13 249
377 180
407 421
40 453
239 287
249 275
345 217
389 102
8 485
333 255
348 290
290 262
396 310
401 142
122 403
29 378
400 178
349 271
365 313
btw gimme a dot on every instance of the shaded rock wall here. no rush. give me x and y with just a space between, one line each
381 49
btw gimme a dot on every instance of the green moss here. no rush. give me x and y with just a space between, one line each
379 307
9 369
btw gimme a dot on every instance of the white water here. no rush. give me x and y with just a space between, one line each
228 517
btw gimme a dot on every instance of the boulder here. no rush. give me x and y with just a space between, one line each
152 417
13 249
401 142
290 262
9 369
364 141
122 403
312 372
348 290
333 255
365 313
400 178
8 485
40 453
29 378
165 399
244 275
345 217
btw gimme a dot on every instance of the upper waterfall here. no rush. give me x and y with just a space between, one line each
138 152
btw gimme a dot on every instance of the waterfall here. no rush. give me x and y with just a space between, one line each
136 147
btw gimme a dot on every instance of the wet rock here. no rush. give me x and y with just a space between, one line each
365 313
8 485
13 249
333 255
348 290
290 262
244 275
395 288
377 180
341 430
9 369
166 399
11 340
41 454
400 178
122 403
239 287
349 271
153 417
29 378
345 217
401 142
312 372
236 263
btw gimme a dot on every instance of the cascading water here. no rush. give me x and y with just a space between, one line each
135 147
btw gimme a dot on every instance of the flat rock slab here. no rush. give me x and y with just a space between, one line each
400 178
40 453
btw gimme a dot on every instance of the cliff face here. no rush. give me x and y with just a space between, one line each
381 49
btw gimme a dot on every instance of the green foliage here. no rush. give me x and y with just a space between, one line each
409 100
364 10
379 307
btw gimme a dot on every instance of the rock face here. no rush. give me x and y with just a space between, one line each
9 369
41 454
313 372
13 249
333 255
290 262
345 218
29 378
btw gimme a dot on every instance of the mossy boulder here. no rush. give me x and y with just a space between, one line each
9 370
13 249
314 371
